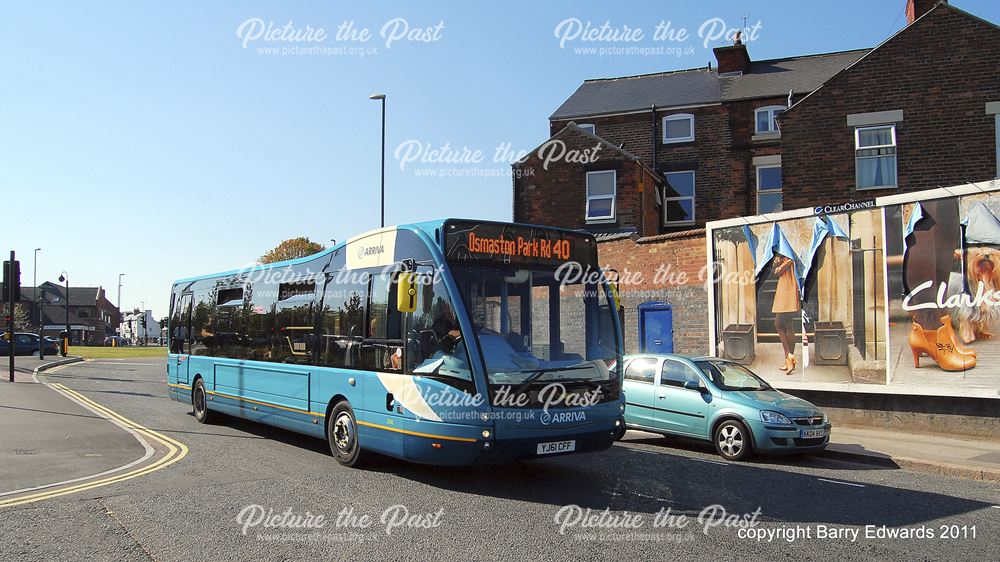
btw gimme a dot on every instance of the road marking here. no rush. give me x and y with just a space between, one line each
839 482
711 462
175 452
996 507
637 449
121 362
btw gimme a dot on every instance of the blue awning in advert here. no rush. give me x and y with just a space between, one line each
981 226
917 216
752 241
824 226
779 245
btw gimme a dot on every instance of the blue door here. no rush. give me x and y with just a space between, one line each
656 327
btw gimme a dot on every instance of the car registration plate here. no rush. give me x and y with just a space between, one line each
556 447
813 433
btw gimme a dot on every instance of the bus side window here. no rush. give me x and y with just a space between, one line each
202 319
342 319
383 346
294 323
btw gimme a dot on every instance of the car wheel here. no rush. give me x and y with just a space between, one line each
199 400
342 434
732 440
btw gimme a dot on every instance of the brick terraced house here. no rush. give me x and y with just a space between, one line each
678 149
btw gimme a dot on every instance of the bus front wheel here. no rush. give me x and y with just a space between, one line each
342 433
199 400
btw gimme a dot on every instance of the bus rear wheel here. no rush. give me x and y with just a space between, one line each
199 400
342 434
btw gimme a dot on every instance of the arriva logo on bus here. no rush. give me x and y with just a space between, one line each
562 417
365 251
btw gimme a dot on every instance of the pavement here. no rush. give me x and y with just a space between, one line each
952 456
26 366
47 439
211 502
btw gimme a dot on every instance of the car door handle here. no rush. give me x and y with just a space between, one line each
662 396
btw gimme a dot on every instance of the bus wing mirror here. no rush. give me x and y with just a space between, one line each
614 296
406 292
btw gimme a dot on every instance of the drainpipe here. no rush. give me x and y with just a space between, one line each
652 152
652 123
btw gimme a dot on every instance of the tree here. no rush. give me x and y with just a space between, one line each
292 248
22 317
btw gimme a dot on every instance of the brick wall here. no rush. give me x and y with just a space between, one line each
940 72
633 131
557 196
667 268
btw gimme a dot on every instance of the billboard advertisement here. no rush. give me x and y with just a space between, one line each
894 295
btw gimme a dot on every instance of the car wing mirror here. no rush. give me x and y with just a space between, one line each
696 385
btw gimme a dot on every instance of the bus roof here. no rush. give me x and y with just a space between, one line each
427 227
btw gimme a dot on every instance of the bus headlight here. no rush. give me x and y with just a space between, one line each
486 434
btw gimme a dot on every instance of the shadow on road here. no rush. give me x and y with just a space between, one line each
629 478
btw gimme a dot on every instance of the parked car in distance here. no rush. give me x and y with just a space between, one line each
720 401
109 341
26 343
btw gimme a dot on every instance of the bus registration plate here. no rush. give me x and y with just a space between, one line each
556 447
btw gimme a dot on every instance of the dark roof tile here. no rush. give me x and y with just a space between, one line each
766 78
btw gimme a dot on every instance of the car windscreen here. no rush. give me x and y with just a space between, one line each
732 376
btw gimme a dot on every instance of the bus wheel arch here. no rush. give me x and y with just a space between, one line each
342 433
199 400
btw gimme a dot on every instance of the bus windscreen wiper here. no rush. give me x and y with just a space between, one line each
539 373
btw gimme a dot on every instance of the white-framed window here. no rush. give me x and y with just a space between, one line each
678 128
875 156
764 117
997 118
678 198
589 127
768 189
601 195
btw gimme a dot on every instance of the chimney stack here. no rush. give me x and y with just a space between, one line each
733 59
917 8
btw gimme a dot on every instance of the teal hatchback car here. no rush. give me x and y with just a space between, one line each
720 401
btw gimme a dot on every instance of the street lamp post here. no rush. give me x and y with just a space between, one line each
381 97
64 277
142 311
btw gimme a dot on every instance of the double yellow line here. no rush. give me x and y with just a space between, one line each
175 452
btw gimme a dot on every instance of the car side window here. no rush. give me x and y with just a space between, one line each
642 369
676 374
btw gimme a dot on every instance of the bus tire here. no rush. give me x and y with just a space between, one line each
342 434
199 402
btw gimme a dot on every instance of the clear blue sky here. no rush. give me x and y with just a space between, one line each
143 138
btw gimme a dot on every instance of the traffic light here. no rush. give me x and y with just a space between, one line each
9 278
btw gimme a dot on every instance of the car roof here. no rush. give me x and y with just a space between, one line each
673 356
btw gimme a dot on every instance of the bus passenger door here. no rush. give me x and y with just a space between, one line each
180 343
